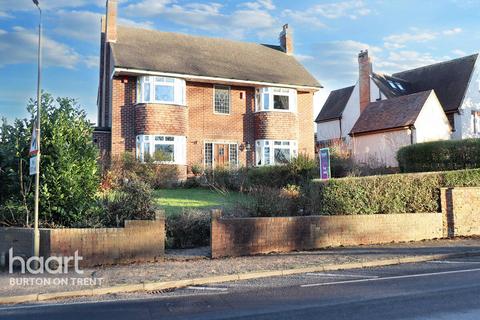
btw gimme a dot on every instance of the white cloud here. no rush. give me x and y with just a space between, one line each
303 57
246 18
314 15
20 46
91 61
397 61
452 31
21 5
459 52
396 41
5 15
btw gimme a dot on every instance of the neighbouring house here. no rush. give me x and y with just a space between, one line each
382 113
190 100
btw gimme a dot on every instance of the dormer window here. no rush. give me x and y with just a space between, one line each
165 90
276 99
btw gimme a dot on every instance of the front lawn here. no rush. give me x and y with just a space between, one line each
174 200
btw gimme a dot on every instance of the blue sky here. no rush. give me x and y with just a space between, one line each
400 34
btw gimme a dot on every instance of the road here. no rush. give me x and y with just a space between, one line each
433 290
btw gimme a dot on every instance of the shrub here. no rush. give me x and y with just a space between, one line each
69 176
273 202
132 201
398 193
299 171
190 228
440 156
127 167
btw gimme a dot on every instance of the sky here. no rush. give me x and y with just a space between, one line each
328 35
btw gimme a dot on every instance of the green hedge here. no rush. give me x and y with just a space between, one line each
440 156
397 193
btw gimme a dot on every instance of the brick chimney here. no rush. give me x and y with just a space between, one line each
364 72
111 21
286 40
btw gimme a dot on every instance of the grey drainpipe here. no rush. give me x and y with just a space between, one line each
412 130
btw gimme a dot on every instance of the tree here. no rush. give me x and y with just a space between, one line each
69 176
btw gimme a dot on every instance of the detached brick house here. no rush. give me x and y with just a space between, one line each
201 101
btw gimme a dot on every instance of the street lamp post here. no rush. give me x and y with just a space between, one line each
36 231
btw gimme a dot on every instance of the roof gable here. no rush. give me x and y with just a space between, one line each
391 113
202 56
449 79
335 104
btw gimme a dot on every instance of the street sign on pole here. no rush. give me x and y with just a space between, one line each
33 165
324 155
34 142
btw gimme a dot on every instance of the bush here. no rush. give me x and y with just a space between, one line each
132 201
299 171
191 228
398 193
127 167
440 156
271 202
69 176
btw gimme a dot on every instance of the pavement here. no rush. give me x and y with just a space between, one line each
440 289
192 267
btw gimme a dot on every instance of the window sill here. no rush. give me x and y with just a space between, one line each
160 104
280 111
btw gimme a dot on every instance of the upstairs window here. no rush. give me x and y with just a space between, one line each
222 99
153 89
276 99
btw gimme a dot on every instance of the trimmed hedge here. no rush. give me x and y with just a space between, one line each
440 156
397 193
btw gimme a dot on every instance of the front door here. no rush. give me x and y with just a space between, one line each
221 153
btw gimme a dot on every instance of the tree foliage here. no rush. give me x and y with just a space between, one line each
69 176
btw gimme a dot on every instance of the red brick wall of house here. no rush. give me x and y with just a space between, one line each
205 125
200 124
123 114
276 125
306 143
161 119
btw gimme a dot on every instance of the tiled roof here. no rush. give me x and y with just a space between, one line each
391 113
212 57
335 104
449 79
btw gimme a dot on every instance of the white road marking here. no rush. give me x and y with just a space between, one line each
340 275
454 262
389 278
207 288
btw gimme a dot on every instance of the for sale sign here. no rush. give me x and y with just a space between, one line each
34 141
324 155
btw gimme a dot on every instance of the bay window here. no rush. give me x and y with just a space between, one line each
275 152
276 99
153 89
161 148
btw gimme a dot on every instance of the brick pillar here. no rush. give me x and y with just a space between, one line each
446 201
215 241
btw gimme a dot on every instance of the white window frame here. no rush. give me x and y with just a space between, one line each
262 145
146 143
213 143
264 99
179 89
229 99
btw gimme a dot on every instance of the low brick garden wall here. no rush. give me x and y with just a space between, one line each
245 236
139 240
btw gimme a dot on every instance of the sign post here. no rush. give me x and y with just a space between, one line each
324 155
